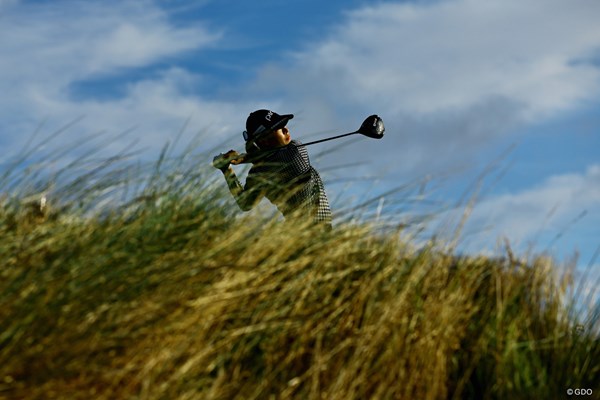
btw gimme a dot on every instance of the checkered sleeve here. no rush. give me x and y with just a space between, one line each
246 196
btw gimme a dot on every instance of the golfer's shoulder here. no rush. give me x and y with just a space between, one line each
295 147
287 153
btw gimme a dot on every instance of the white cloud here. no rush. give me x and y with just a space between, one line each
446 76
47 48
130 44
449 77
427 57
62 43
542 212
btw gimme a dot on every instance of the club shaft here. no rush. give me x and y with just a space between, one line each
242 161
327 139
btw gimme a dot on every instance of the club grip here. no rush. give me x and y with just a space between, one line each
240 160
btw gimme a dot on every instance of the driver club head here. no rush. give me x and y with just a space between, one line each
372 127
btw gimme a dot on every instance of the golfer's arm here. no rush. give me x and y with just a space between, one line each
247 197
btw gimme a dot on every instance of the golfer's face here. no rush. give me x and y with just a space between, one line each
282 136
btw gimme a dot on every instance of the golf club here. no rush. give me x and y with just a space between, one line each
371 127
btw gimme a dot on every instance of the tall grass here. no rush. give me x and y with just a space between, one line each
171 294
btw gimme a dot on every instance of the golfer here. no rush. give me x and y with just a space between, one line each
280 171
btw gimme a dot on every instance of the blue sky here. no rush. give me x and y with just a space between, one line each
457 82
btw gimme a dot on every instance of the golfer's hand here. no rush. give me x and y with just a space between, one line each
222 161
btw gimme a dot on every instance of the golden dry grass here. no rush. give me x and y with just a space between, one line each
174 296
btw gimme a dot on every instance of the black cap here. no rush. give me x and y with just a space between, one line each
262 121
